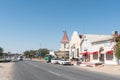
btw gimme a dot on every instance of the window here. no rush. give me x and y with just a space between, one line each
109 56
64 46
95 56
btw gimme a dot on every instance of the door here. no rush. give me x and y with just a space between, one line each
102 57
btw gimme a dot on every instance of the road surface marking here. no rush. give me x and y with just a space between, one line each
45 70
54 73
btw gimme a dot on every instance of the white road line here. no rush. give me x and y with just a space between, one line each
47 71
54 73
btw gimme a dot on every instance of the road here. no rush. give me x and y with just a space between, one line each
33 70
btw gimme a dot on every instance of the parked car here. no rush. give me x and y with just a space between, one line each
7 59
54 60
14 59
20 58
64 62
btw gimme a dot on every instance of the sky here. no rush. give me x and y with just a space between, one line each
33 24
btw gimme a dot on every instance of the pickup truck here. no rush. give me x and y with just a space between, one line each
48 58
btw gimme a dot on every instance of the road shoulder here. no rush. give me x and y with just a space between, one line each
6 71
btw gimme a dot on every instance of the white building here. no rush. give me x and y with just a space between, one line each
95 48
74 45
64 42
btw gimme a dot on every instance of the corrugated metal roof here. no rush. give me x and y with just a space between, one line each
97 38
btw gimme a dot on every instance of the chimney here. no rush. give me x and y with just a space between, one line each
81 36
115 33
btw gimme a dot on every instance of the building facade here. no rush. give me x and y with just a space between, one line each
74 49
93 48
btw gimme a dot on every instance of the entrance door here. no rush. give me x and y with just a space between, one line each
87 57
102 57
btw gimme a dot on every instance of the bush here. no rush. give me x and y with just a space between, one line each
117 53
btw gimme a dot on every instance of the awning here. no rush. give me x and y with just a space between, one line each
109 52
96 52
84 52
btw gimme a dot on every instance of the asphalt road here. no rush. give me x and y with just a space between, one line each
33 70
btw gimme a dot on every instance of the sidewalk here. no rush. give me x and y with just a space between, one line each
6 71
109 69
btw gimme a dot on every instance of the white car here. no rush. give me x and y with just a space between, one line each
14 59
54 61
64 62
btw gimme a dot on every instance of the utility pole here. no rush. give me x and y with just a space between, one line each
40 52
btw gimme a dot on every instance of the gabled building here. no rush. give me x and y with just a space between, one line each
94 48
74 51
64 48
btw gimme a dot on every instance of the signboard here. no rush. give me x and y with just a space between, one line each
39 54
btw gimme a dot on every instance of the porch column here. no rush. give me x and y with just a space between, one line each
105 58
98 56
70 53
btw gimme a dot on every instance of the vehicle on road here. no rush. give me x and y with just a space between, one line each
20 58
64 62
7 59
48 58
54 60
14 59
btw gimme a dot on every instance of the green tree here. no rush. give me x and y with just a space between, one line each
33 53
43 52
1 51
26 54
117 46
117 50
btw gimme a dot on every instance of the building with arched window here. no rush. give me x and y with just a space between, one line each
93 47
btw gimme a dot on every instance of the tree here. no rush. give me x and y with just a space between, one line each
117 50
1 51
43 52
34 53
27 54
117 46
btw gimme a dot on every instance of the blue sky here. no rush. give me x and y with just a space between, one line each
31 24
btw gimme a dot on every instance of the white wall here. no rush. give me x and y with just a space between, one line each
86 45
107 45
66 48
75 40
114 61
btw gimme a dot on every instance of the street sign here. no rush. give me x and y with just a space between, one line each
39 54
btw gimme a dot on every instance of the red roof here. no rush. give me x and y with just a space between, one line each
65 38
